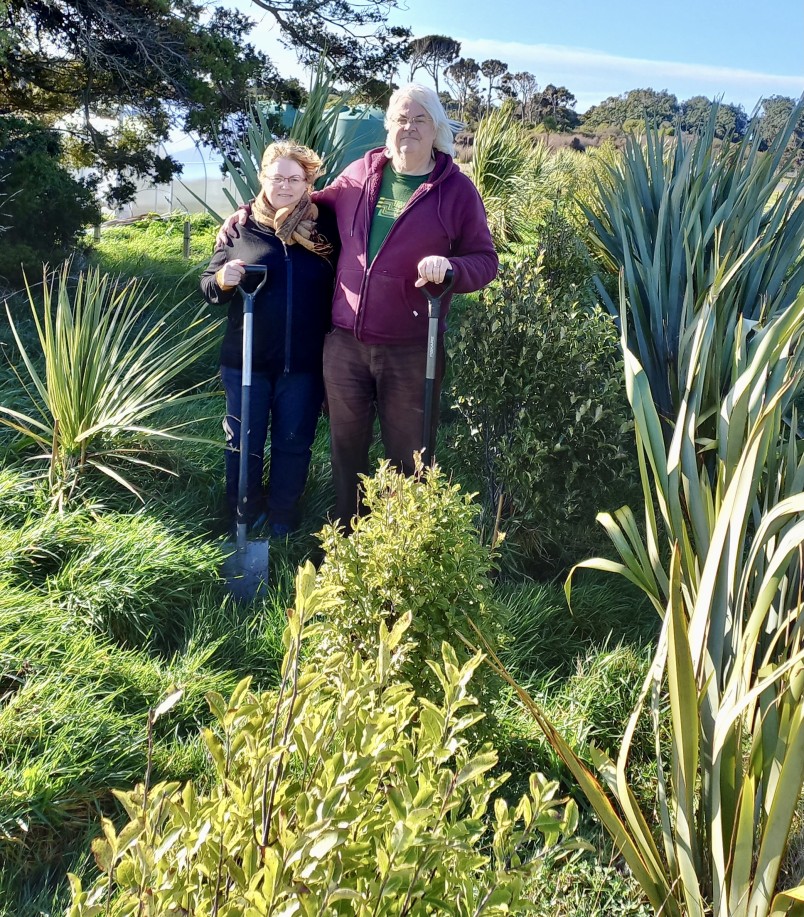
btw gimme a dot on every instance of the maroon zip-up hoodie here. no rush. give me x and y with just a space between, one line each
445 216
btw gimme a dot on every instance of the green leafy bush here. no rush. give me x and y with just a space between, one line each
47 207
416 550
567 267
343 793
541 427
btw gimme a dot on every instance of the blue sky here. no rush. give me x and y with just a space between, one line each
738 49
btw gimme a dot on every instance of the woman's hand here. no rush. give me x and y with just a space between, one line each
231 274
432 270
229 229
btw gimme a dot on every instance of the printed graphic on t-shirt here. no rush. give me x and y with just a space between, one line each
388 208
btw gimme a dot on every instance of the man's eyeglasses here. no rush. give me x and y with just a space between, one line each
401 121
280 180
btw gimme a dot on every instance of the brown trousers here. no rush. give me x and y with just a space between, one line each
364 381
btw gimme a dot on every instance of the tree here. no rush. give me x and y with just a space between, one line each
492 69
646 105
694 114
461 77
652 106
774 115
555 104
352 36
47 206
731 123
524 88
145 66
432 53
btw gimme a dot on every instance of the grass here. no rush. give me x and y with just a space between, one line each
152 248
105 609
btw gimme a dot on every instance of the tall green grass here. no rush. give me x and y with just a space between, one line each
152 248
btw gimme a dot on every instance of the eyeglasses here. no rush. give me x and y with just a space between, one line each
402 121
281 179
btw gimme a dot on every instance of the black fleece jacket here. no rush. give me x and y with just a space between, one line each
288 329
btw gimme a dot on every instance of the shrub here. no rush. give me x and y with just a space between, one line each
343 793
45 204
567 267
541 427
415 550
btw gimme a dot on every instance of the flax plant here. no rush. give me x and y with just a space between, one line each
315 126
668 212
721 560
104 368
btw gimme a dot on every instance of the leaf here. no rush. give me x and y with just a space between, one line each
167 704
476 767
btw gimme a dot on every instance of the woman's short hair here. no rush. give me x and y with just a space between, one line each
308 159
429 101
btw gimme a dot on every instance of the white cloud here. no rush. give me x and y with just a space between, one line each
594 75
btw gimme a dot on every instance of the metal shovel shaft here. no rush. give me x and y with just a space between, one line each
433 320
246 570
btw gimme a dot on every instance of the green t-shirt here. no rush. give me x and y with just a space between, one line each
396 190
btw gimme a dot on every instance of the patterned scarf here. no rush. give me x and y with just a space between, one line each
292 225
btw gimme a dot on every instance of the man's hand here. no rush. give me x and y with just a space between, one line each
231 228
432 269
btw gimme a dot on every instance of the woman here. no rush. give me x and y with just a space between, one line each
291 317
406 214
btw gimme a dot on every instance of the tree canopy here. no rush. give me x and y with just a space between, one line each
635 105
115 75
353 36
432 53
142 65
775 112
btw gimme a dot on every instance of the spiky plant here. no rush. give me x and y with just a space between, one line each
670 213
314 126
510 172
722 563
105 366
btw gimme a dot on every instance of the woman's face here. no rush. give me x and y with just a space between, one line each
284 182
411 131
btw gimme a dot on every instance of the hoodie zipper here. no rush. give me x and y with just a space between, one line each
414 198
288 306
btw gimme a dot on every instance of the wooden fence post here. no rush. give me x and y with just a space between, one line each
186 240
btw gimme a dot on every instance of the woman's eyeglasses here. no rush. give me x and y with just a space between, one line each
401 121
280 180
